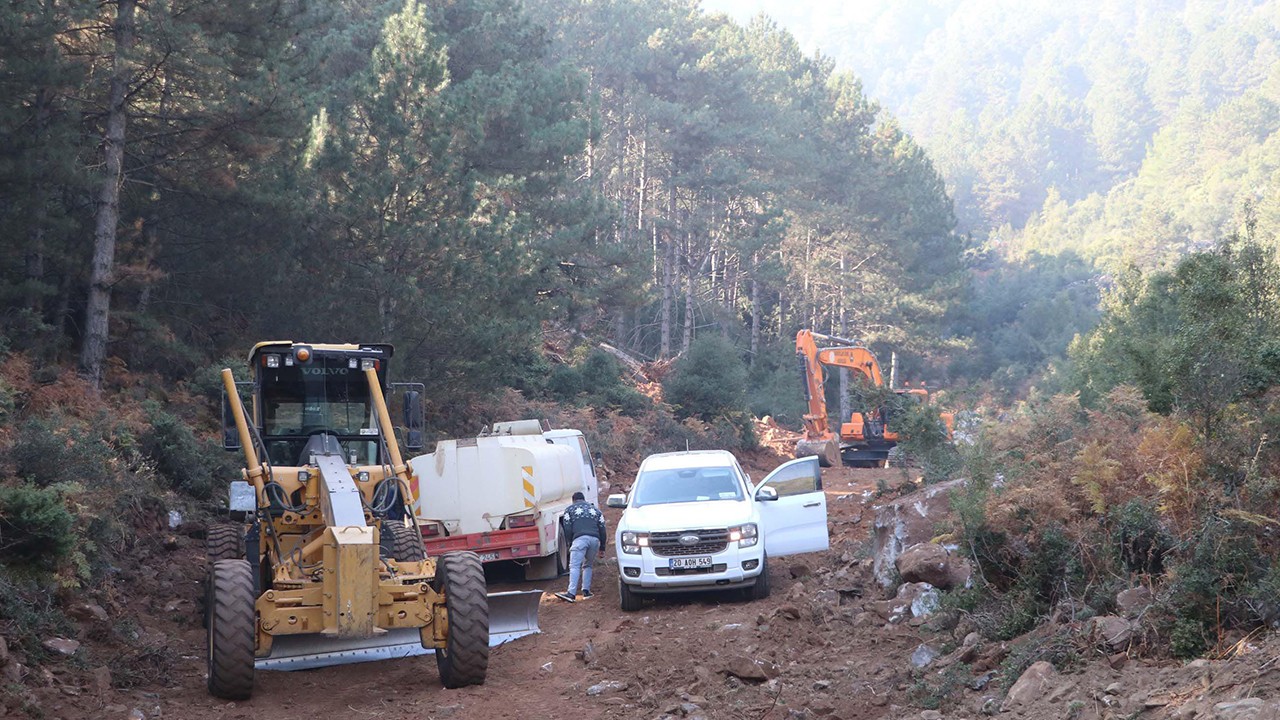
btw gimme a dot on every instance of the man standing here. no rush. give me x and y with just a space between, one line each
584 529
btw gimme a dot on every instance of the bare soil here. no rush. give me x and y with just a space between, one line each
819 652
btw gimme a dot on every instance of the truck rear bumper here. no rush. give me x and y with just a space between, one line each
513 544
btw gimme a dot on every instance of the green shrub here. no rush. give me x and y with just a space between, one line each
597 382
36 528
190 465
708 381
58 448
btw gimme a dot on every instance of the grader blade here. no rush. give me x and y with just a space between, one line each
512 615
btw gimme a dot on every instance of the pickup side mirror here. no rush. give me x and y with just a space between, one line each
413 420
616 501
766 494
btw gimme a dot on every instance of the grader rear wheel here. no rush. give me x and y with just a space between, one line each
231 620
464 659
224 542
401 542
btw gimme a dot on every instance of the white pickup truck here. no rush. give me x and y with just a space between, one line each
502 494
693 521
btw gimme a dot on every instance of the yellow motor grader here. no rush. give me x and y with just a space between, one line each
326 565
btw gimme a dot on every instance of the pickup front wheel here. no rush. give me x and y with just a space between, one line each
760 590
629 601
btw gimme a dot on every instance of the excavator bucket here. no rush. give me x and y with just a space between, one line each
511 615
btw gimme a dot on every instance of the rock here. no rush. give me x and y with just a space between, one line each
136 714
744 668
1118 661
1114 688
907 521
990 706
788 611
921 598
1133 601
688 708
890 611
1115 632
590 654
88 612
4 652
800 570
730 627
102 680
1246 709
62 646
982 681
930 715
821 685
14 672
925 562
797 593
826 597
547 666
923 656
972 639
1034 683
607 686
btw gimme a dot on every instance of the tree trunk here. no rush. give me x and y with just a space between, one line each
755 309
687 340
40 211
93 352
843 328
668 276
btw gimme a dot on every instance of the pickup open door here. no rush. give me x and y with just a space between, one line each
796 522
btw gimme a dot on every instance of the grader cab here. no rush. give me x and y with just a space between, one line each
327 565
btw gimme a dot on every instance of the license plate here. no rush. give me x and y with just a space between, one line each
488 557
691 563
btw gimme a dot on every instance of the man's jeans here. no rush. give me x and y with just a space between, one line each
582 559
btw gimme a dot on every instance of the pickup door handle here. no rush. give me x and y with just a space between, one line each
815 503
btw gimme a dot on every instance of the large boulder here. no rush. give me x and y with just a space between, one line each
1111 631
907 521
1133 601
1034 684
934 564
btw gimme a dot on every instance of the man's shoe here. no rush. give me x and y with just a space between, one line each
566 597
586 594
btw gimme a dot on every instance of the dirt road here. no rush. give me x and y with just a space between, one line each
814 649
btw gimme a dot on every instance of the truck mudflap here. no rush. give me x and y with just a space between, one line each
512 615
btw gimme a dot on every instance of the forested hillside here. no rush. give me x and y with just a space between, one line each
1125 131
183 179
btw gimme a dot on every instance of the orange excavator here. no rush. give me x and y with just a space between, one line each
866 439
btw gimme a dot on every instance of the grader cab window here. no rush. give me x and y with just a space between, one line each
325 395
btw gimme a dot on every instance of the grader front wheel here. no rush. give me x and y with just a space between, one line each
464 659
231 629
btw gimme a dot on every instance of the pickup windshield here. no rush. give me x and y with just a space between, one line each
657 487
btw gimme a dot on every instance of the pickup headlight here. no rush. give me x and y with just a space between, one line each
633 541
746 535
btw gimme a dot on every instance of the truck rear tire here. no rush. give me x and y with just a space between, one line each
627 600
224 542
562 553
464 660
401 542
231 629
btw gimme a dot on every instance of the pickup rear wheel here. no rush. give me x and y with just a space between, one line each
464 659
629 601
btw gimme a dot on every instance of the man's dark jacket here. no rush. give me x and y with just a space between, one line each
583 518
